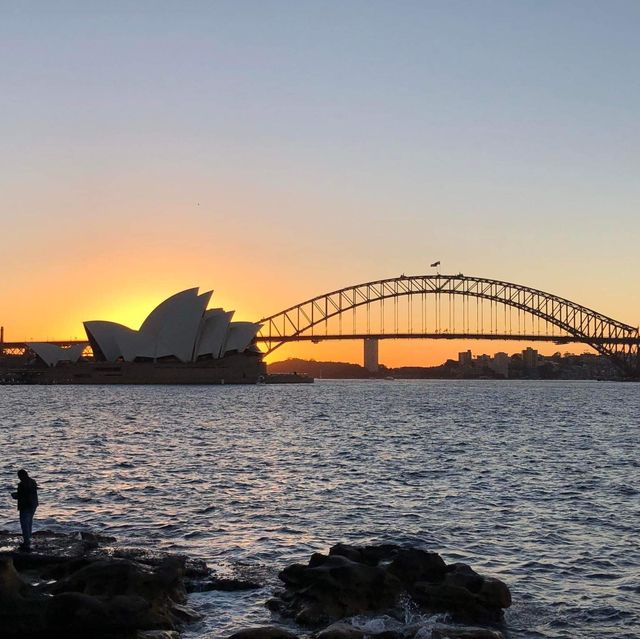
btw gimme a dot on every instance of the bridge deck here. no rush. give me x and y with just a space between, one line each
556 339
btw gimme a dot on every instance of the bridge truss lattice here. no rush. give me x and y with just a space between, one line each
451 307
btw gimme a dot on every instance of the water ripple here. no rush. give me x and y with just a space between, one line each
536 483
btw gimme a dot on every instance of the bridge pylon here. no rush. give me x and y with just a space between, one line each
371 362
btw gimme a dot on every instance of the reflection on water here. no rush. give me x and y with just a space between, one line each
536 483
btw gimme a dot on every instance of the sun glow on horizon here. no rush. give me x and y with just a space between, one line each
130 303
414 352
277 154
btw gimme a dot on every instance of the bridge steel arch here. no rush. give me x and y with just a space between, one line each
618 341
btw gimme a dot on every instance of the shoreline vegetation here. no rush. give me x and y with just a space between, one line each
565 367
84 584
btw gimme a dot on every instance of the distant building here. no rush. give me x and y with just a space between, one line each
500 364
530 357
483 360
464 358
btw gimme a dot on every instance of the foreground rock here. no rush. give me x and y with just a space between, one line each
81 585
380 580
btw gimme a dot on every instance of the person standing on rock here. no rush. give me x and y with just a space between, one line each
27 496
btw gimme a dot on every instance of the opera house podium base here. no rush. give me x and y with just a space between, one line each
237 368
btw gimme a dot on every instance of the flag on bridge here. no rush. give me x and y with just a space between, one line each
436 264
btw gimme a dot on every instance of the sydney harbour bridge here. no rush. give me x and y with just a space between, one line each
442 307
451 307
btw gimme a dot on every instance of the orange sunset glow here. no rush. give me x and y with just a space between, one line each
276 172
319 319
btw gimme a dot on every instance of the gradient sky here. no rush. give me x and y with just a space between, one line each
273 151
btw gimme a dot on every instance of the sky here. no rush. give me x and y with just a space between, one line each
276 150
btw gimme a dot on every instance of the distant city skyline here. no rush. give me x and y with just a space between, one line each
276 150
528 364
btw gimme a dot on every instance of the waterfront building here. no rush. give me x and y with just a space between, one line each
464 358
180 342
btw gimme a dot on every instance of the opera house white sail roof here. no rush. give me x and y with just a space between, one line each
52 354
180 328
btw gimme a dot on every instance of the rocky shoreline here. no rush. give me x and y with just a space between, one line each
86 585
409 587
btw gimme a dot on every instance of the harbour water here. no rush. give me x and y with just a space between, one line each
537 483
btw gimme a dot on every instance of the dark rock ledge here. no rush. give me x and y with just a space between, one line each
83 585
386 581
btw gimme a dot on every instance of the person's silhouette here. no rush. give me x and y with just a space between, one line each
27 496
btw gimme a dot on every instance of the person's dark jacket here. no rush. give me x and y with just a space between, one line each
27 495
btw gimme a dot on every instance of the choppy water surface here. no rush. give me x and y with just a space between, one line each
535 483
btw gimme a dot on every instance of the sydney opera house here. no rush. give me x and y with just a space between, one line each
180 342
